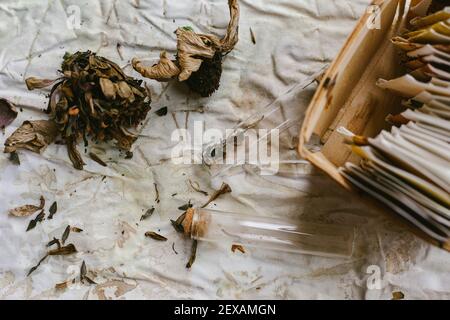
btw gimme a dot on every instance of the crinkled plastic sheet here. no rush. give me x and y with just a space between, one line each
293 39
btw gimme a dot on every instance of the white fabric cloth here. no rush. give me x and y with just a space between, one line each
293 39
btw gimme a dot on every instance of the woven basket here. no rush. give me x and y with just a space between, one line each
348 96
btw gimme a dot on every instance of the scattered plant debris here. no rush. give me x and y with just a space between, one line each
92 98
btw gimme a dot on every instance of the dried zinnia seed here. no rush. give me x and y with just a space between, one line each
155 236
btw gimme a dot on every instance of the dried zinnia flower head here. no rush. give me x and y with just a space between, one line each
199 57
93 98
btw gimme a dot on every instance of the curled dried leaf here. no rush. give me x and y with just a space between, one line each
164 70
35 83
32 135
8 113
192 48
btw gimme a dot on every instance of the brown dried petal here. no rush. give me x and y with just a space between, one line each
27 210
35 83
24 211
63 251
8 113
108 88
191 48
124 91
164 70
32 135
74 155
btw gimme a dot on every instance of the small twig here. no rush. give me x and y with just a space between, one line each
37 266
252 36
196 187
200 109
39 218
157 193
119 50
173 248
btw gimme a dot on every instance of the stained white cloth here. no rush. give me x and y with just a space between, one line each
293 40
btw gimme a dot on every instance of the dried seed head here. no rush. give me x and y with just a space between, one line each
198 56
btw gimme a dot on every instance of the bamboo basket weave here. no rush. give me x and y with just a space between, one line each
348 95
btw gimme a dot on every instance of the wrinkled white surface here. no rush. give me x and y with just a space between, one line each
294 39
